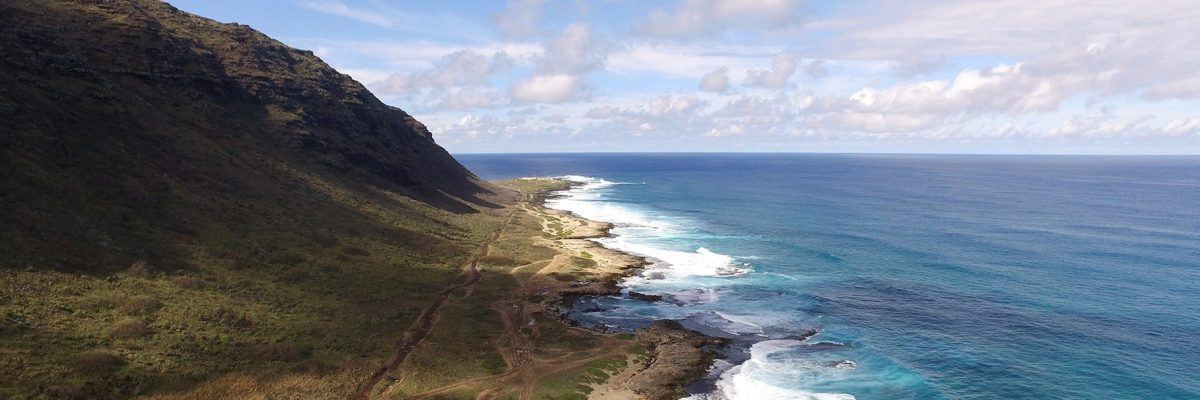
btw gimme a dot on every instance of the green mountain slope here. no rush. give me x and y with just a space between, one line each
182 198
118 115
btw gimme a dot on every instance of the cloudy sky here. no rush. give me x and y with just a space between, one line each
923 76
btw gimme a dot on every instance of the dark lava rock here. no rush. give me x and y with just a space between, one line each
678 357
802 336
644 297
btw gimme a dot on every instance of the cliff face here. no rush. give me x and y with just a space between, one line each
128 123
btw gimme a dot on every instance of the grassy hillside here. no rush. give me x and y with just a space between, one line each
129 124
184 200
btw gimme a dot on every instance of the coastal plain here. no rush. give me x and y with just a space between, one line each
497 332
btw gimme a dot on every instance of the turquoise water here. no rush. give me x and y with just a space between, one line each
925 277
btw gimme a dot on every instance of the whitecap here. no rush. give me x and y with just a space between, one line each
674 263
692 296
764 376
731 324
586 201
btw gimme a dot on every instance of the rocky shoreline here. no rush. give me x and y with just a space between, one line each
675 356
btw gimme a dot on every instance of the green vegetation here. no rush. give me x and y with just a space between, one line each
553 338
232 218
532 188
573 384
230 208
582 262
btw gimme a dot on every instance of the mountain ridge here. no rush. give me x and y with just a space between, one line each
137 104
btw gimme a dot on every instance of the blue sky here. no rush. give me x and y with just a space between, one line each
922 76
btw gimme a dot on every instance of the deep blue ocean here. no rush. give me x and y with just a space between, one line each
924 277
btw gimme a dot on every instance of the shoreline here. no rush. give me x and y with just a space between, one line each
675 357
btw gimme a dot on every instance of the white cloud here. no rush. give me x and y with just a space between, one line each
469 98
1009 27
558 74
1102 125
660 114
756 106
706 17
674 105
920 71
601 112
683 61
1182 88
460 68
341 9
783 66
816 69
1182 127
876 123
716 81
472 126
519 17
397 18
550 88
574 51
411 56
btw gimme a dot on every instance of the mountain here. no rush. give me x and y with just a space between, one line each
183 200
126 119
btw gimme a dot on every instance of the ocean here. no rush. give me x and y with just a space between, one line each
922 276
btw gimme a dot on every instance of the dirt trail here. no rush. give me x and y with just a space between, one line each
523 369
425 320
515 346
523 378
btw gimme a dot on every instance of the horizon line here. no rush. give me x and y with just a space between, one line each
832 153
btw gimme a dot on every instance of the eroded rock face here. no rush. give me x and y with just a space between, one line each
678 357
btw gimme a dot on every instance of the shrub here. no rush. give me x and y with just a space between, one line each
325 238
355 251
287 351
285 258
190 282
140 268
96 362
96 302
583 262
128 328
140 305
294 275
230 318
562 277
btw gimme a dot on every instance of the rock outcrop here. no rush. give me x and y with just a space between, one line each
677 356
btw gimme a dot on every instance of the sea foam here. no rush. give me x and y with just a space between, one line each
632 226
639 232
756 378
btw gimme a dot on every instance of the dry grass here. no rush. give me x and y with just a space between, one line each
190 282
140 268
140 305
502 261
294 385
128 328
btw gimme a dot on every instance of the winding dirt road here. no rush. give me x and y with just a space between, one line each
425 320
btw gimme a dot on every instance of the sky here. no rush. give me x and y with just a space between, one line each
857 76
